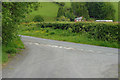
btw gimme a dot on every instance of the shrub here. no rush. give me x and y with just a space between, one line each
63 18
98 31
38 18
70 16
90 19
51 33
61 12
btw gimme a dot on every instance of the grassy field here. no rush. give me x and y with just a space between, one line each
64 35
68 4
47 9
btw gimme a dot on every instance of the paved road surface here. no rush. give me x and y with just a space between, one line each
45 58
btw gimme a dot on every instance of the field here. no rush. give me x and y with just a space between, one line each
47 9
68 4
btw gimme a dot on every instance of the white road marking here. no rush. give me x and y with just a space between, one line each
68 48
51 45
62 47
90 50
36 43
81 49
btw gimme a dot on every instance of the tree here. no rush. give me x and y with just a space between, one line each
101 10
60 12
109 11
80 9
38 18
12 14
70 16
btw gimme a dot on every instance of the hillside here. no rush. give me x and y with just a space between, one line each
49 11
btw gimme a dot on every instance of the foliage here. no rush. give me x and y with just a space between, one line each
97 10
12 14
38 18
11 49
101 10
98 31
63 18
70 16
80 9
60 12
49 10
91 19
67 12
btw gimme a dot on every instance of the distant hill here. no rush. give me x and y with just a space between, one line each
49 11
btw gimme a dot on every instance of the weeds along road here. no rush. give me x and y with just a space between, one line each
45 58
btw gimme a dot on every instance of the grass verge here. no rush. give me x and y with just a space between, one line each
64 35
11 49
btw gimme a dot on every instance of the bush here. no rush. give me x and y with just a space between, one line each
51 33
101 10
90 19
70 16
61 12
38 18
98 31
63 18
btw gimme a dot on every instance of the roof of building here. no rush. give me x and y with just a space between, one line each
78 18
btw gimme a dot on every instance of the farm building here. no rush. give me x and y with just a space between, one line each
78 19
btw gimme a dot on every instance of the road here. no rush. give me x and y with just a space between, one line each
44 58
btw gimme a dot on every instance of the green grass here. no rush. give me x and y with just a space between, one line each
0 54
47 9
0 50
64 35
68 4
11 49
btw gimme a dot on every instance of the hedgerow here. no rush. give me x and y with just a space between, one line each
98 31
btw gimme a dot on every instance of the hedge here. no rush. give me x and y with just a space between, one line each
97 30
